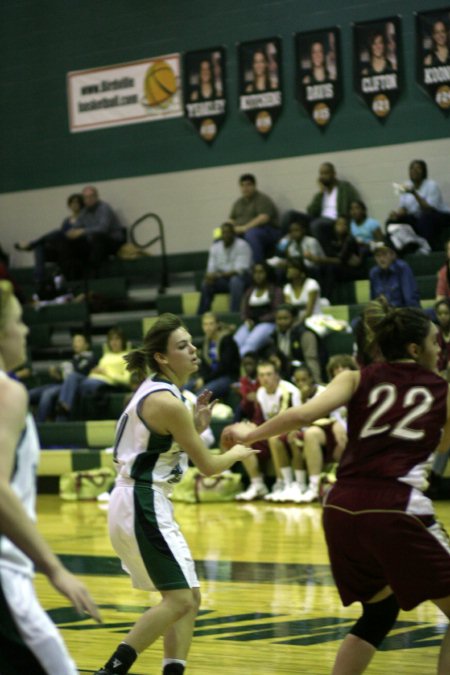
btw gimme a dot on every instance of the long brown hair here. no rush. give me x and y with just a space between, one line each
141 361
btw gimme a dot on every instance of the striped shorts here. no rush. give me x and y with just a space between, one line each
148 541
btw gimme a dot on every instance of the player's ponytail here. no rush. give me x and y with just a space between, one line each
142 361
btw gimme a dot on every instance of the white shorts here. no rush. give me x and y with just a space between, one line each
148 540
29 640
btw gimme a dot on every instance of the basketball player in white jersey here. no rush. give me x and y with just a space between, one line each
154 427
29 641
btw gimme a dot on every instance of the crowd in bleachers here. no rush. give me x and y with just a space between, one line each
283 279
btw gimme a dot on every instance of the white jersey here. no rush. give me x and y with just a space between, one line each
23 482
142 455
285 396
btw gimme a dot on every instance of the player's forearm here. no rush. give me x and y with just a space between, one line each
286 421
22 531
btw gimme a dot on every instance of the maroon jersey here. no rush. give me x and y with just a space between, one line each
395 419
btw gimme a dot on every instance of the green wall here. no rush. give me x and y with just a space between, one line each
40 41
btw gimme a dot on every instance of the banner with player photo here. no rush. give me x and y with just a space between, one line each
318 73
260 89
204 94
377 67
433 55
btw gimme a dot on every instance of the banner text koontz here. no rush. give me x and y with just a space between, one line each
270 99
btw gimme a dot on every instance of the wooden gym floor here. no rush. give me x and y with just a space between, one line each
269 603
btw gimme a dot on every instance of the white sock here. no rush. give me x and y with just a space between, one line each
167 661
258 481
286 474
314 483
300 477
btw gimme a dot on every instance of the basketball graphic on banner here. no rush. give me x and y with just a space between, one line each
160 83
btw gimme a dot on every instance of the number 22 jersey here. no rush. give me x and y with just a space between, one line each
395 420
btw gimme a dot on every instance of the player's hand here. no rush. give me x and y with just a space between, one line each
203 410
67 584
243 451
236 434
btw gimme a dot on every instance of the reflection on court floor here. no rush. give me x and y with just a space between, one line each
269 602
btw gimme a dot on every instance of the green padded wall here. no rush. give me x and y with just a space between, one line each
41 41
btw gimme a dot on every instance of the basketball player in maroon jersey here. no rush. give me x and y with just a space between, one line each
376 516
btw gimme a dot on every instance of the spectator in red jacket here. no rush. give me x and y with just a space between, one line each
443 282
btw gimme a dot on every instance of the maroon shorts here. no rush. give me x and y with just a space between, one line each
371 548
330 443
264 451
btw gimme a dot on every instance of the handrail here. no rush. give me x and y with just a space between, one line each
161 238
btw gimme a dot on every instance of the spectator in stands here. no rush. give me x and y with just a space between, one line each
48 247
442 309
297 343
443 281
365 230
255 218
421 204
246 388
301 291
333 200
98 235
46 395
229 261
297 244
290 465
110 372
258 311
273 396
6 275
220 362
393 279
338 363
342 260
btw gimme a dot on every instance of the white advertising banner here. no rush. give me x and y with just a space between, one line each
139 91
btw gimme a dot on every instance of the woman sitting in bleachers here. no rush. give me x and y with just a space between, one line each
82 362
258 311
110 372
220 362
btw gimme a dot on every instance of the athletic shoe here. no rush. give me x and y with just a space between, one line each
291 493
277 489
309 496
103 497
252 492
102 671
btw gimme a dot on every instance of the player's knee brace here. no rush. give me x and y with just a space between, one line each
376 621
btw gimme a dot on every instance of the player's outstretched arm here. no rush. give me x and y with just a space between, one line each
172 417
337 394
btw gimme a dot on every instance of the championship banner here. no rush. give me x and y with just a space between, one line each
204 93
433 55
377 68
318 73
139 91
260 91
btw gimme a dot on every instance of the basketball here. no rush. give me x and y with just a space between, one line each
160 83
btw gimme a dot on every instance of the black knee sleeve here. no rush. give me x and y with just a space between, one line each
376 621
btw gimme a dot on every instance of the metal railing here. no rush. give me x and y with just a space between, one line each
159 237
